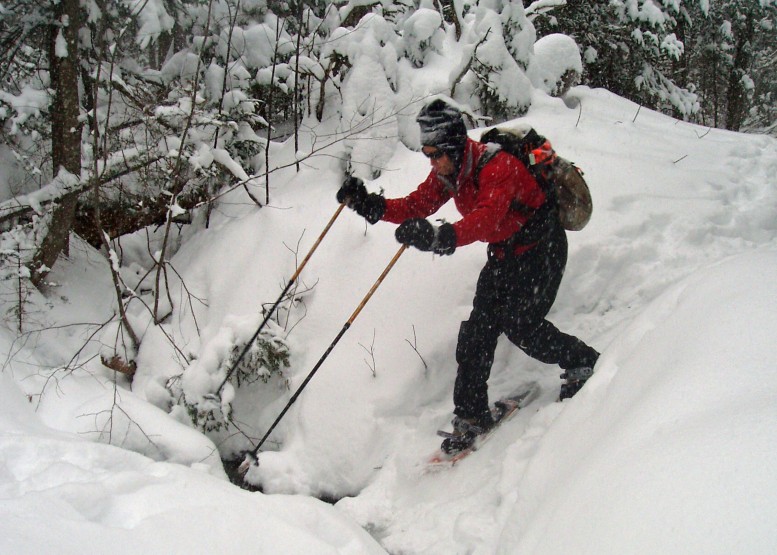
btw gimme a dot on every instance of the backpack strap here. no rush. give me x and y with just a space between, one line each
485 158
540 222
516 205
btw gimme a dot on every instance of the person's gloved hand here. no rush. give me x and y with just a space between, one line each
353 193
419 233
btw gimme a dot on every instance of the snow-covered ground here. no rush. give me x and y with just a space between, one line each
668 449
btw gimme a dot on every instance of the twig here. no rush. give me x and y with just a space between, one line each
177 181
106 430
637 114
190 296
580 112
371 351
680 159
467 67
293 292
414 346
19 282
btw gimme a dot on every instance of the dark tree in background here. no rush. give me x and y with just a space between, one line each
65 128
726 64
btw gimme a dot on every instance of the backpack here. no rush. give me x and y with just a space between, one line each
560 179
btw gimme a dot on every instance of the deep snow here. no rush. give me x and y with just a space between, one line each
668 448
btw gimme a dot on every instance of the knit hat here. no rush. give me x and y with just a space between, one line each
442 126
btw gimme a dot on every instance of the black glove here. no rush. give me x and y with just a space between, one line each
354 194
446 239
352 190
419 233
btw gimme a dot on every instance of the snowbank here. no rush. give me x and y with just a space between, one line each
63 494
670 446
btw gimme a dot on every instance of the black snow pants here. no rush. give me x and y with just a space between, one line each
513 296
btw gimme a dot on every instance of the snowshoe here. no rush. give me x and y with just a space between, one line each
467 436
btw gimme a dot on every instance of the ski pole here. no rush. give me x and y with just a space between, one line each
291 282
251 455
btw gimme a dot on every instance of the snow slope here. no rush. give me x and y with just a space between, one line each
676 434
63 494
666 450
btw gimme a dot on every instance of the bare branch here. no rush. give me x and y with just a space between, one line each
371 364
414 346
468 66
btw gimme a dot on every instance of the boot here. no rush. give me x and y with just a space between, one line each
575 379
465 432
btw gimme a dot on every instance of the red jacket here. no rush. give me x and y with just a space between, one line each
485 209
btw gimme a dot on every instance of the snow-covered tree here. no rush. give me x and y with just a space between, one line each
502 40
38 33
422 34
628 46
732 60
556 65
151 130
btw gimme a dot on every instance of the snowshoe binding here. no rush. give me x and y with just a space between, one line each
467 430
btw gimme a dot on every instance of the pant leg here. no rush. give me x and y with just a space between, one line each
537 276
476 345
551 346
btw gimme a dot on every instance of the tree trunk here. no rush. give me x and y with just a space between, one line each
119 217
65 132
736 108
448 10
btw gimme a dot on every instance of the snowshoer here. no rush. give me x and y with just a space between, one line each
527 254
